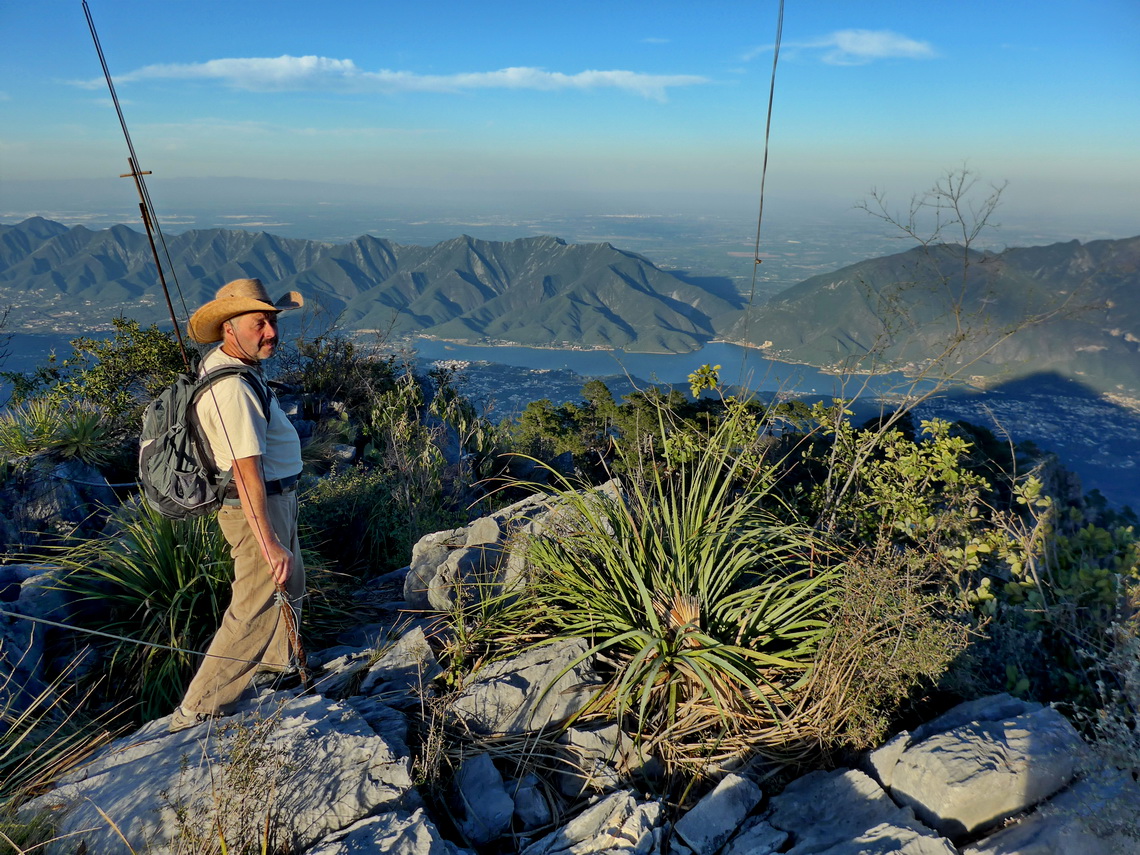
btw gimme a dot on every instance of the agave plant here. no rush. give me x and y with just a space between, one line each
708 606
65 430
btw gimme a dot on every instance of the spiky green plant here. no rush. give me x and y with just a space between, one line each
84 433
708 606
64 430
157 581
28 428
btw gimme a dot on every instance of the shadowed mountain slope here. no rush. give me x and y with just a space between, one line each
1068 307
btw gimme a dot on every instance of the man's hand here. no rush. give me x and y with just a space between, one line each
280 560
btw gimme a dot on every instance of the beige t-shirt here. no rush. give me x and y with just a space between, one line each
231 417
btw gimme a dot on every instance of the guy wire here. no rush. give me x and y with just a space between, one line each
763 176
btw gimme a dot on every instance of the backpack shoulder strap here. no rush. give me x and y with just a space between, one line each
259 386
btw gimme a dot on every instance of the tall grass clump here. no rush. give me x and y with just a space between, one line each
41 737
157 582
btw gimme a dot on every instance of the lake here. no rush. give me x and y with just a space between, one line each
740 366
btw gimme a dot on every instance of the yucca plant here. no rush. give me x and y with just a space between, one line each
84 433
708 606
68 430
157 581
28 428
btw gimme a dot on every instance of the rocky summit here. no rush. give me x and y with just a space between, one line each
330 772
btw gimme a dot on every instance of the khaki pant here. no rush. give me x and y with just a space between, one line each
252 636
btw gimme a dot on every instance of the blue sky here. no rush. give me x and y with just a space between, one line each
646 103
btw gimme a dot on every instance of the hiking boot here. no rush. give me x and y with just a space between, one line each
180 719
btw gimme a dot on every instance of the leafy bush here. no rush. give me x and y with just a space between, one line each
335 372
119 374
349 519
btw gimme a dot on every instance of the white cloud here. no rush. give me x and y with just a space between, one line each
654 40
322 73
857 47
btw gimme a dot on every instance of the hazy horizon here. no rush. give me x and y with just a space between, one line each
509 110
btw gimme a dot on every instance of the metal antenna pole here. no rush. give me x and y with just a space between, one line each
145 207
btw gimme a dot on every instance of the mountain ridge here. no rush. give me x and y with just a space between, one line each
534 290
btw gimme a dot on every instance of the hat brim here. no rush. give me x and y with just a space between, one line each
206 324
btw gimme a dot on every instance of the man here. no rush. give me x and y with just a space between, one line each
259 517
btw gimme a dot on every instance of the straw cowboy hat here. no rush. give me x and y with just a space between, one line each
233 299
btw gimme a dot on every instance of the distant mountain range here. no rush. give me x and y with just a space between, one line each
533 291
902 309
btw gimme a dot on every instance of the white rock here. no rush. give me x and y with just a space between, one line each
618 823
756 837
529 691
481 805
321 768
715 818
975 775
393 833
1096 816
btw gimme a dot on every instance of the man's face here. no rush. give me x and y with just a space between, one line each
252 335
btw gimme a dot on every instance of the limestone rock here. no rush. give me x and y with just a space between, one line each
394 833
406 667
526 693
600 759
315 766
1099 815
480 803
889 839
975 775
532 809
756 837
990 708
715 818
618 823
27 591
822 810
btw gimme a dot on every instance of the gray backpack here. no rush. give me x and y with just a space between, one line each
176 469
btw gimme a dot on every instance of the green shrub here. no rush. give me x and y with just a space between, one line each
337 514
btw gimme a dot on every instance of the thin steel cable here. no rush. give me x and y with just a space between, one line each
763 178
139 642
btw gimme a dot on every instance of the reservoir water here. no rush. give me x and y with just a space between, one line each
740 366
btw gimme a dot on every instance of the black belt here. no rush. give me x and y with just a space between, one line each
272 488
